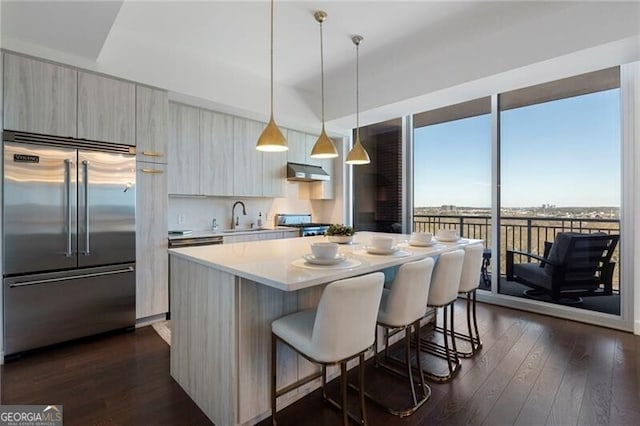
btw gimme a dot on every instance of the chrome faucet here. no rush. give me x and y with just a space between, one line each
236 222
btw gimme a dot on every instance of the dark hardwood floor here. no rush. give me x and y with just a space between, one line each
532 370
121 379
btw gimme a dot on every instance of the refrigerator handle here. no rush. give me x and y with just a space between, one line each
67 179
87 231
72 277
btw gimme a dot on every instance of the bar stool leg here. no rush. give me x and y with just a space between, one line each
343 383
363 409
446 337
324 382
274 341
423 385
475 324
407 341
453 337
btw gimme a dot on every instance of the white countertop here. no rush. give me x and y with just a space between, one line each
223 233
270 262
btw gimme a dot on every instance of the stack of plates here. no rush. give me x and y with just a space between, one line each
422 243
310 258
377 250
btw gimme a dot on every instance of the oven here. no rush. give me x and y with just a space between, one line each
303 223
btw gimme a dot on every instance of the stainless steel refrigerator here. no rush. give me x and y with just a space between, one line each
68 239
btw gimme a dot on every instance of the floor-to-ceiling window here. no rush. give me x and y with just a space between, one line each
452 170
377 186
560 171
515 169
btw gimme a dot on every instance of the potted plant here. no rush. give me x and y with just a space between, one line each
341 234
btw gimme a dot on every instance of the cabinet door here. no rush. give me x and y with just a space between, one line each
320 190
247 159
274 170
310 141
106 109
152 288
41 97
216 154
152 129
297 152
184 152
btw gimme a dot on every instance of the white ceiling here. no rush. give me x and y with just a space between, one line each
216 52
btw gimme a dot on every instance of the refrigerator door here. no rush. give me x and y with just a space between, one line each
106 208
39 221
43 309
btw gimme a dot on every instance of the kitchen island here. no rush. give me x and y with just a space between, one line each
223 300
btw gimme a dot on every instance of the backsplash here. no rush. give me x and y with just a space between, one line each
198 212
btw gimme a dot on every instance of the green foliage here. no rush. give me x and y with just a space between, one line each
340 229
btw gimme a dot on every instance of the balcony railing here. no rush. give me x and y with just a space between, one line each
518 232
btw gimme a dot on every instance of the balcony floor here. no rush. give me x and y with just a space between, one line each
605 304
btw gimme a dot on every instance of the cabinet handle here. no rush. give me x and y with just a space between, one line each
153 153
152 171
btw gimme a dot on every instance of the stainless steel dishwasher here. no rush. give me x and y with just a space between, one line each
190 242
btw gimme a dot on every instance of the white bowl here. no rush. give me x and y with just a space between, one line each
384 243
341 239
447 234
324 250
422 237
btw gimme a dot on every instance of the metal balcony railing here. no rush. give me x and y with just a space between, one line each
519 232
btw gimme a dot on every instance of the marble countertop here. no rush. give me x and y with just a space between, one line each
277 263
223 232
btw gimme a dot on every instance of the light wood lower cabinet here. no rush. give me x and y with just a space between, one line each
152 280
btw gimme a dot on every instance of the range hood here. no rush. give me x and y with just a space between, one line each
306 172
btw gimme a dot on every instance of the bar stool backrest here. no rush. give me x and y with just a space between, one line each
446 278
345 321
407 300
471 267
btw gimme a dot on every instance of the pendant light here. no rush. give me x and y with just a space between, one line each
272 138
358 155
324 147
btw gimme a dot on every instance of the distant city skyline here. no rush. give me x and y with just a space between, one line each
565 153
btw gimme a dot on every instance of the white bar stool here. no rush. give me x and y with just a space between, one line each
341 328
469 283
402 307
443 292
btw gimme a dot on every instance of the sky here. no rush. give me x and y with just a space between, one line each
565 153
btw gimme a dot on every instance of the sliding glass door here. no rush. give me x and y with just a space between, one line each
559 173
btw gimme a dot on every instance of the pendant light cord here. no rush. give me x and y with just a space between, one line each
272 1
322 74
358 92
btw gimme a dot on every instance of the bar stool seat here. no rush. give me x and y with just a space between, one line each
340 329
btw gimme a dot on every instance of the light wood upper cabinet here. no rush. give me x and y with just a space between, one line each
216 154
184 150
106 109
248 171
310 141
152 129
152 290
297 146
274 170
39 97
